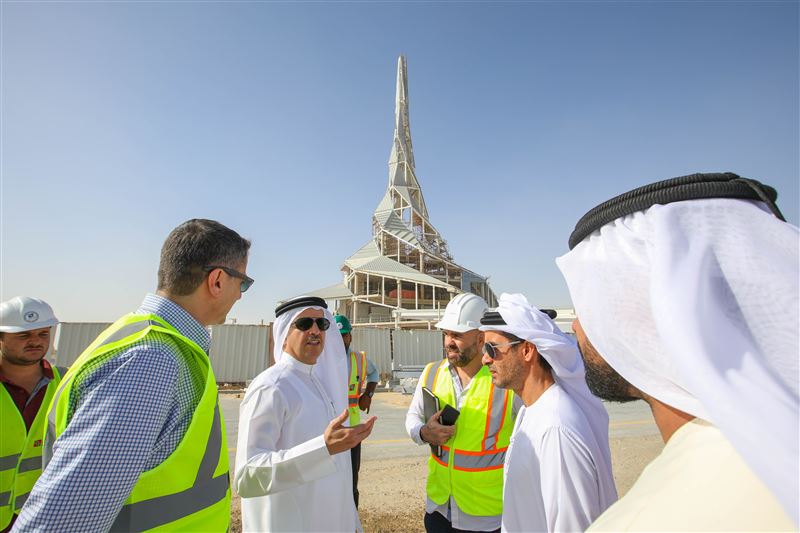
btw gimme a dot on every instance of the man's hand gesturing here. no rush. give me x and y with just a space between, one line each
435 433
339 438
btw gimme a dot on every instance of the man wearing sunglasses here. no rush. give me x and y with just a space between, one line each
558 465
135 438
465 482
293 467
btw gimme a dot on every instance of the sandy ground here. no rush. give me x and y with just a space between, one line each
398 505
393 490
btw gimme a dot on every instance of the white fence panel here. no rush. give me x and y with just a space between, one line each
239 352
416 347
73 338
377 343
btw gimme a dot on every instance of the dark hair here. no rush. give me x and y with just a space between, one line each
193 245
513 338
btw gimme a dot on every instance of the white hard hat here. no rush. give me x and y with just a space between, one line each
24 313
463 313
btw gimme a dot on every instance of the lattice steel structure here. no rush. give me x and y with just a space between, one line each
405 275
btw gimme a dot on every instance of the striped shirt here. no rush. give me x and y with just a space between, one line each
128 415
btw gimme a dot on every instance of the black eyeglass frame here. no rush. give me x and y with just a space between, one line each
247 281
490 349
322 323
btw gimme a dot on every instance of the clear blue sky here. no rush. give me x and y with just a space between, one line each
121 120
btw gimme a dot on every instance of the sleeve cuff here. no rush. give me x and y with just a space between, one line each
415 434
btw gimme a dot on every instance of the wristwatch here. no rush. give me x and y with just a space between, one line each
370 393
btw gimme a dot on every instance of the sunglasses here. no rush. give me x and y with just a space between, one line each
490 349
305 323
246 281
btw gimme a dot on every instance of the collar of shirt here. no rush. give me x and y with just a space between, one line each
299 365
178 318
460 390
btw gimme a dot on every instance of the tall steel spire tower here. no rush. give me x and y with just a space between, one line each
403 204
404 276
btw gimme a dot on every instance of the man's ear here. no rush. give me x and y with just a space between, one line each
529 352
214 282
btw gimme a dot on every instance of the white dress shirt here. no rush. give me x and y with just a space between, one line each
287 479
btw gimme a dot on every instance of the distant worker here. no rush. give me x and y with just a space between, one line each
27 327
558 466
135 437
686 292
465 483
359 398
293 457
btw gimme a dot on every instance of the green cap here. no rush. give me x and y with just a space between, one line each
343 324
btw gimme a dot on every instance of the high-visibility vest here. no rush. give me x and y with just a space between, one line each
190 489
471 466
20 450
358 374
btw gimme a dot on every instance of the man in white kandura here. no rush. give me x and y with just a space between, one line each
291 471
686 292
558 465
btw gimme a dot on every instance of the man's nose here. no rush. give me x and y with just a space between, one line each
485 359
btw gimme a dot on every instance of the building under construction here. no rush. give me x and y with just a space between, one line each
404 275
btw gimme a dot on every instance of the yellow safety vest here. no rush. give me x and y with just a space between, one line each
190 489
358 361
471 466
20 451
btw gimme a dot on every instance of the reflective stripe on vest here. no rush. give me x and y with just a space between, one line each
470 468
20 500
182 493
21 450
9 461
358 361
478 461
207 489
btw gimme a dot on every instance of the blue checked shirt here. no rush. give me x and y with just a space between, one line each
126 417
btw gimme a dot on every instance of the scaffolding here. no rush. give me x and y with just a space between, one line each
405 275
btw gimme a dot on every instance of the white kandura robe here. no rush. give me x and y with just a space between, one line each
287 479
551 481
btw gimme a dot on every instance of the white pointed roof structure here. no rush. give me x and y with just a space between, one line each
405 271
405 274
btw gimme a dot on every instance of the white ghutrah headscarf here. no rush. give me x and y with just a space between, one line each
331 367
695 303
527 322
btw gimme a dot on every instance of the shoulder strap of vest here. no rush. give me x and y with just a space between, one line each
127 326
61 370
430 373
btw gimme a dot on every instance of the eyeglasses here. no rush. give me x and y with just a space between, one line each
489 348
246 281
305 323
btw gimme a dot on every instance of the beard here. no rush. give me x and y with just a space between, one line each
14 359
461 358
511 375
603 381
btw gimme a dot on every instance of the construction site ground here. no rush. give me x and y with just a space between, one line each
393 468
